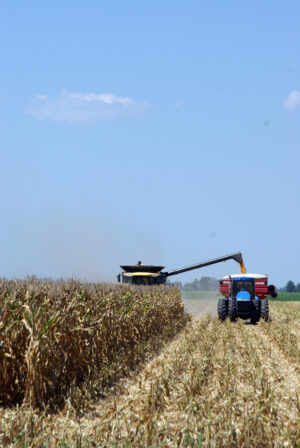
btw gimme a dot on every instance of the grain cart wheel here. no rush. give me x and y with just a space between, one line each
255 312
222 309
265 310
232 310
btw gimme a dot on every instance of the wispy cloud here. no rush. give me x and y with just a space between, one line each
292 101
83 107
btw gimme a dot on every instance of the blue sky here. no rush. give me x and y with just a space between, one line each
162 131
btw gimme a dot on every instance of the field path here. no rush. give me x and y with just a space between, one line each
216 384
199 303
201 307
282 371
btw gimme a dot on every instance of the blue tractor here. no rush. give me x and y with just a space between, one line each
242 301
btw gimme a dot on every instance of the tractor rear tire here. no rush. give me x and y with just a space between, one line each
255 312
222 309
232 311
265 310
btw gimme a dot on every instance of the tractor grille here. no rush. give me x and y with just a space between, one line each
243 307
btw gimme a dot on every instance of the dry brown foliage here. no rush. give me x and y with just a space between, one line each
69 341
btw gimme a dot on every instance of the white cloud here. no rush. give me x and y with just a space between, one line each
292 101
83 107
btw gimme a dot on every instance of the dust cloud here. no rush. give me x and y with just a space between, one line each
67 244
198 307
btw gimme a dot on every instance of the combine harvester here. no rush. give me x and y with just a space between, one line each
141 274
244 296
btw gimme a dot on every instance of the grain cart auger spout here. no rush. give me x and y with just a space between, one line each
140 274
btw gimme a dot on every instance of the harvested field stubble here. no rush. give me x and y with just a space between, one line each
69 340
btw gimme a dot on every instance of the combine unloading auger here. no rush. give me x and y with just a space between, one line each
236 257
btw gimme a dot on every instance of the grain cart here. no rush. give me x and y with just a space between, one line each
244 296
140 274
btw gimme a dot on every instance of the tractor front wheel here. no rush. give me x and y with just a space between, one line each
265 310
222 309
232 312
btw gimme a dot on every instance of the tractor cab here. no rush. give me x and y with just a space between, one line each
242 297
243 288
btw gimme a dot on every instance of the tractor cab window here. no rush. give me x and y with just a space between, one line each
243 286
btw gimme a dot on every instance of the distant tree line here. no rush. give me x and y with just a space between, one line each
291 287
202 284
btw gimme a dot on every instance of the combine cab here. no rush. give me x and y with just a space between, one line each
244 296
141 274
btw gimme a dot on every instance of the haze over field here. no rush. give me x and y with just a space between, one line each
162 132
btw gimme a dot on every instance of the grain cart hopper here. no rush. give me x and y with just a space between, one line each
244 296
140 274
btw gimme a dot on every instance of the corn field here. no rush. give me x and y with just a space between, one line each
214 385
69 341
